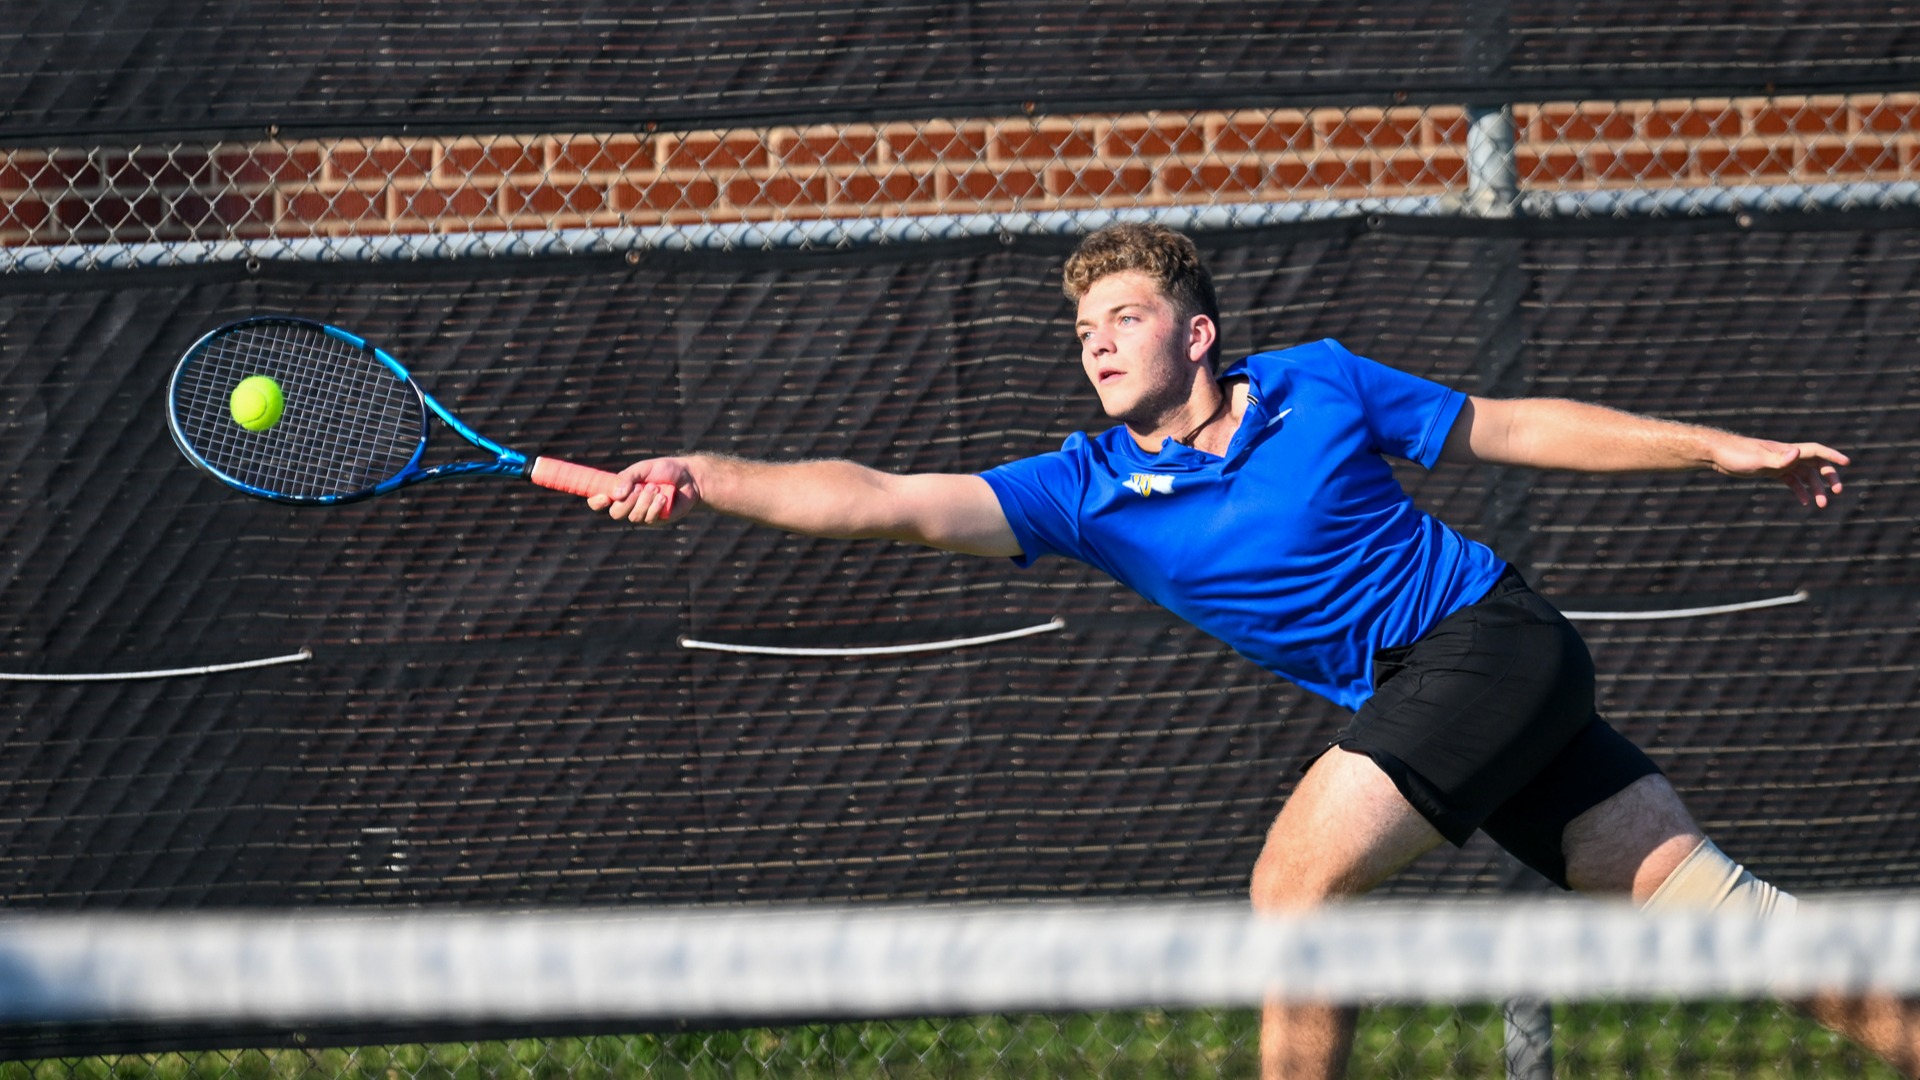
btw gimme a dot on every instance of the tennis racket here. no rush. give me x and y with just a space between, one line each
354 424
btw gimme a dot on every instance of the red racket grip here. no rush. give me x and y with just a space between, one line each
582 481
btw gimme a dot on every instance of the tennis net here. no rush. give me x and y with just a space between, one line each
1030 990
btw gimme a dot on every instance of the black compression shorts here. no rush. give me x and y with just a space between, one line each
1487 722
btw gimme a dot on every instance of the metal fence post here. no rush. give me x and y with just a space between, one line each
1529 1039
1529 1022
1493 181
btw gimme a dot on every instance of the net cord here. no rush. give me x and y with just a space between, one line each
817 963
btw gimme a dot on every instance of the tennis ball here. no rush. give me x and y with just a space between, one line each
257 403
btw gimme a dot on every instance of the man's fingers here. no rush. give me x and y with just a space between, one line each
647 504
1828 453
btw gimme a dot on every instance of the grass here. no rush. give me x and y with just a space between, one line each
1750 1042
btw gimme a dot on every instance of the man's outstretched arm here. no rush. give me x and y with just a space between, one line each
1545 433
820 498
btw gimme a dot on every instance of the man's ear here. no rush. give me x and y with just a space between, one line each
1202 336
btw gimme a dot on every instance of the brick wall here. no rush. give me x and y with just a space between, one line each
352 187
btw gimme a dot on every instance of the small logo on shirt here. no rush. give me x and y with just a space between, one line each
1277 419
1150 484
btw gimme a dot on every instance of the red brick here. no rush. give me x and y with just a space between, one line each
1098 181
1744 160
619 154
80 211
1370 129
1798 118
778 190
1240 178
190 210
1279 133
1894 113
493 159
662 196
1641 163
13 178
260 165
347 205
1692 121
917 144
1038 143
1448 125
381 161
146 217
60 170
825 146
24 214
462 201
989 185
1554 165
1152 138
182 169
1426 171
1326 174
233 210
712 152
1579 124
864 189
1852 159
547 200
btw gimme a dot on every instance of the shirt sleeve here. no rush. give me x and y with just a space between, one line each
1409 416
1041 497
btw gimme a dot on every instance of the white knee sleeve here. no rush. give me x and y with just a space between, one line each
1707 880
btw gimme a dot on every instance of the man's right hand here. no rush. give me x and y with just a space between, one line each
657 491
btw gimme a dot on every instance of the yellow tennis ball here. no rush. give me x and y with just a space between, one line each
257 403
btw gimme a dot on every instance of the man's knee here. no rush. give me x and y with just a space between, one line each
1283 880
1706 880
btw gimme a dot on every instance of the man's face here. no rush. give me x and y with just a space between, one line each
1134 347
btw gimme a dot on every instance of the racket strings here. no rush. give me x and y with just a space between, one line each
349 422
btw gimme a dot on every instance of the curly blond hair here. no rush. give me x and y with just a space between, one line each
1167 257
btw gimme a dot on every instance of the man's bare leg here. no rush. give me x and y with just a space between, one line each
1345 829
1630 844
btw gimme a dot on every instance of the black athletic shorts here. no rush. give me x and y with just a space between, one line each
1487 722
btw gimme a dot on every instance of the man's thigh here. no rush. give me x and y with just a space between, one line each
1628 843
1345 829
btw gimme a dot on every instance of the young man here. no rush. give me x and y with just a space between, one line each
1256 504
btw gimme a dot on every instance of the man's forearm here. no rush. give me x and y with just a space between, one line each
1546 433
839 499
818 498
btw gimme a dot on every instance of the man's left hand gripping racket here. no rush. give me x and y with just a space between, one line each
352 423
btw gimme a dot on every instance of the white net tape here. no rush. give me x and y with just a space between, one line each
695 964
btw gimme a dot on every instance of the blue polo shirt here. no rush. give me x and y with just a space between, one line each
1298 548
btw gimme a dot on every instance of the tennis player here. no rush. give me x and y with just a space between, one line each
1257 503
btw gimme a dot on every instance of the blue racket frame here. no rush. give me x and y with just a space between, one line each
507 462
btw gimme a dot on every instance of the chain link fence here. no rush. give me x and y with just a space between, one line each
1751 1041
349 199
178 203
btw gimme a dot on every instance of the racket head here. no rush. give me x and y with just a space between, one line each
354 424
